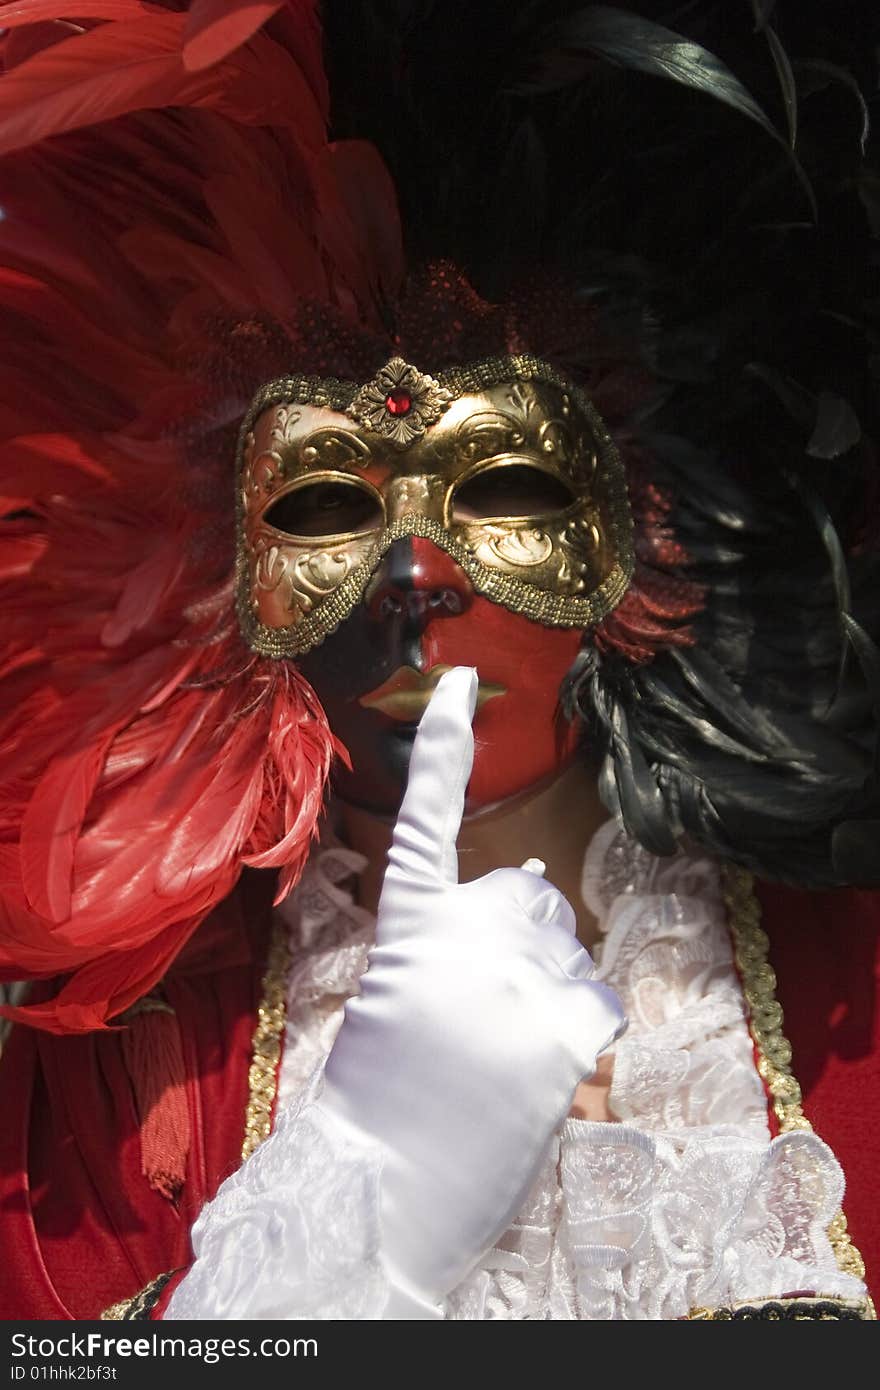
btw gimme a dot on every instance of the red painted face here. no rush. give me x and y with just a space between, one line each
375 674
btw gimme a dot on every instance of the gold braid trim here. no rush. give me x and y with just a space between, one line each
751 948
266 1056
540 605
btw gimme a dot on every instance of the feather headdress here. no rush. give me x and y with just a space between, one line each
146 755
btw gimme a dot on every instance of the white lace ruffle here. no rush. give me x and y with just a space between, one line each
685 1202
294 1233
330 938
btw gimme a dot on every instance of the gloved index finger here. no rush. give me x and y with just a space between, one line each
423 846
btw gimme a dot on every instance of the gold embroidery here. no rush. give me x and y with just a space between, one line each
751 946
139 1307
266 1056
117 1311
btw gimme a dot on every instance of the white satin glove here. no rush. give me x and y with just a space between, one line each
476 1020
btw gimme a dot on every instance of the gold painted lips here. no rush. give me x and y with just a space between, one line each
406 693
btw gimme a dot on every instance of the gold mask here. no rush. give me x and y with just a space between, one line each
504 465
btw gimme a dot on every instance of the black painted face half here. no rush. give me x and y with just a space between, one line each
373 675
376 673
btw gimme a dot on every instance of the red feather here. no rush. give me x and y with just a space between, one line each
136 65
214 28
16 13
51 826
95 76
146 754
370 201
143 593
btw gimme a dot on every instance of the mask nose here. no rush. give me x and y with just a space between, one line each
418 582
422 493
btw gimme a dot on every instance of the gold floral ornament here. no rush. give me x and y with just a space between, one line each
400 403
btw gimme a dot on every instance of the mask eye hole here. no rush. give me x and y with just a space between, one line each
510 490
325 508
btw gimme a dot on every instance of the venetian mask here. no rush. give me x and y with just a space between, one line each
390 530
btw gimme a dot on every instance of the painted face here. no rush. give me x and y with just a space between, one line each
375 676
392 530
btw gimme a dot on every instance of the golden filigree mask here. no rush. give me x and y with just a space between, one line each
503 464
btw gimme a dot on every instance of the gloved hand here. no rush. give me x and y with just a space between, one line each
477 1018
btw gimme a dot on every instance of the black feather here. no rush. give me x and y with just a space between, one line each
787 84
837 428
533 136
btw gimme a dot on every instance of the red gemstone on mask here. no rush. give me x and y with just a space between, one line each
398 401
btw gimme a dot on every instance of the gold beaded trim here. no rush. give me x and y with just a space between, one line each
540 605
751 948
266 1055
